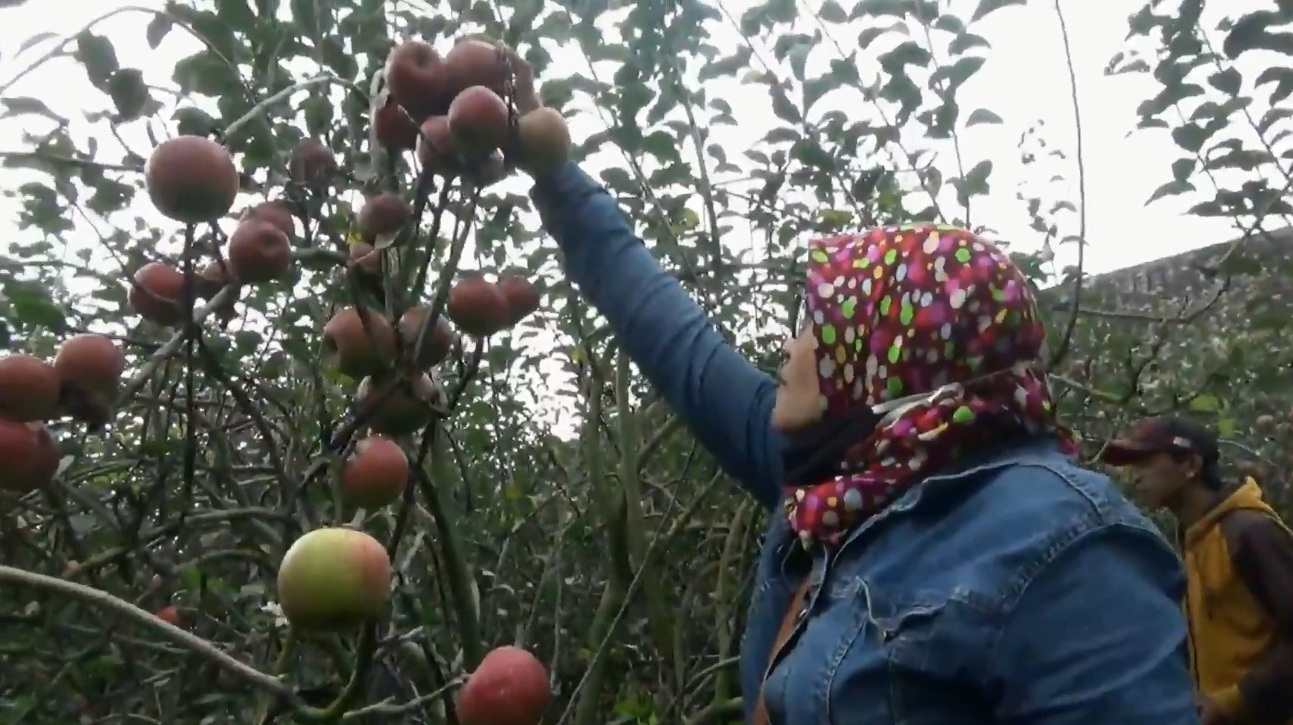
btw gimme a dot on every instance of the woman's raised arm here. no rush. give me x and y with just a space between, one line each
725 400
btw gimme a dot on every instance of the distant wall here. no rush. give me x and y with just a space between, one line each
1181 276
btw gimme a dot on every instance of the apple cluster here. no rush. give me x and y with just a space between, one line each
456 115
81 383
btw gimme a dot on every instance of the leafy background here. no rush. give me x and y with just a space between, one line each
557 452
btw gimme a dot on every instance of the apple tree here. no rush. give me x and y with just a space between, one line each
336 441
1203 334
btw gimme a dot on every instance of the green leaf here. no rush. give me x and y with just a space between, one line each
1252 32
1182 169
1205 404
129 93
33 41
832 12
192 121
1241 263
815 88
966 41
337 59
190 578
1226 427
246 342
1227 80
956 74
880 8
1171 188
949 24
662 145
870 35
987 7
1283 80
21 106
1190 137
906 53
318 111
619 180
975 182
1249 160
206 73
783 108
981 116
96 54
157 29
31 305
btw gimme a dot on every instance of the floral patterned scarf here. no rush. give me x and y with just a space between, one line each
904 312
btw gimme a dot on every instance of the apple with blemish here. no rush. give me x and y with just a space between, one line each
383 215
259 252
417 78
157 294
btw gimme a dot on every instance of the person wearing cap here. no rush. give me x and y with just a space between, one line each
1239 568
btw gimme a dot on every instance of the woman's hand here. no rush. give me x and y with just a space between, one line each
524 94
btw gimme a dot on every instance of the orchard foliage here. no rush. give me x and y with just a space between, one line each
540 496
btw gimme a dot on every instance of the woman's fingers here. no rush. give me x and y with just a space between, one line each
522 79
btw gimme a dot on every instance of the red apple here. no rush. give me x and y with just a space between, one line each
375 474
473 62
29 389
478 307
157 294
28 456
510 687
478 119
416 78
395 130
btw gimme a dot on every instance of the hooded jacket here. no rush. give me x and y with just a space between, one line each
1239 605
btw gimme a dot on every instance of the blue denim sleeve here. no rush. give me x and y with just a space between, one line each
723 399
1098 637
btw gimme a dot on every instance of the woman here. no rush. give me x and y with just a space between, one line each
933 556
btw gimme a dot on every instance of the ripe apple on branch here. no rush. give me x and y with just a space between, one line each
472 113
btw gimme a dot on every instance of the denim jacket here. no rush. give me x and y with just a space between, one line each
1018 588
1015 589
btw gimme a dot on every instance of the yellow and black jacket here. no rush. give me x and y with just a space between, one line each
1239 605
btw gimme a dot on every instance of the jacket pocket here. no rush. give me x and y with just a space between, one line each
934 649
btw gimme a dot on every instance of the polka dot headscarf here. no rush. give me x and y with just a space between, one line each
907 311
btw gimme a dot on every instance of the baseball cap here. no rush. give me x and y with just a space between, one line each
1162 435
